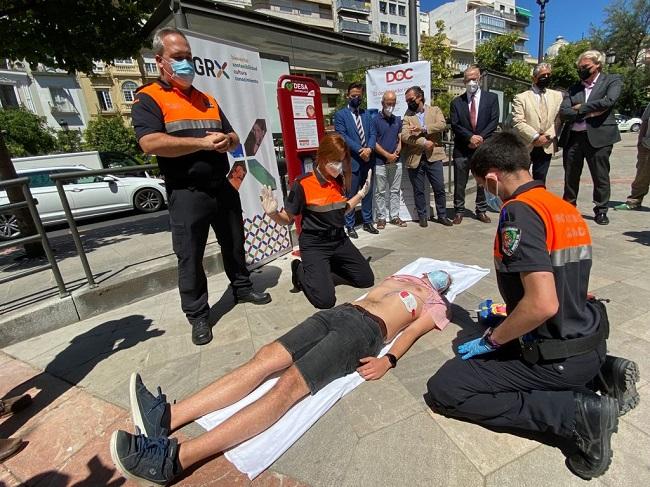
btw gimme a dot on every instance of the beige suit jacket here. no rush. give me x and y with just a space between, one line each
413 145
527 119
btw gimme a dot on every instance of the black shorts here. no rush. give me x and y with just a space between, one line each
329 344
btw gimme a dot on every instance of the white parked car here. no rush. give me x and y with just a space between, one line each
625 123
88 196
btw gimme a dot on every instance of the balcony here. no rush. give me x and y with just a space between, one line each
62 107
126 69
521 48
353 6
491 28
497 13
125 107
354 27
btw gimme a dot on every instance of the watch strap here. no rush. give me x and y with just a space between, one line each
392 359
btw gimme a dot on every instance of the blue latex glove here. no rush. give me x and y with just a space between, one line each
478 346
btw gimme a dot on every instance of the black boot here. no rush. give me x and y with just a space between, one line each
620 376
596 421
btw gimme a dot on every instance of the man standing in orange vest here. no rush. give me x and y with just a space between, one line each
531 371
190 135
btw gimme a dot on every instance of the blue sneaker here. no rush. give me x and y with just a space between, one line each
152 460
150 413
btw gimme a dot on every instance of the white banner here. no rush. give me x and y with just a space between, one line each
233 75
398 78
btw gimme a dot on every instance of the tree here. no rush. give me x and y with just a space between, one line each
27 134
68 141
442 100
564 72
437 50
494 54
520 70
110 134
69 34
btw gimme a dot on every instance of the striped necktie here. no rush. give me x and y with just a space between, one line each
362 134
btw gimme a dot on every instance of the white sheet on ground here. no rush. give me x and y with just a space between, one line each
253 456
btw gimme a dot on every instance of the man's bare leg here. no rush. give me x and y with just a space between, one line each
231 387
248 422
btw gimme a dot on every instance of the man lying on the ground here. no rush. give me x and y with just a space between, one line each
329 345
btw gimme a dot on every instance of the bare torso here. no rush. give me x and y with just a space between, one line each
384 301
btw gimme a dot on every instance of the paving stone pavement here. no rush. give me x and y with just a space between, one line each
381 434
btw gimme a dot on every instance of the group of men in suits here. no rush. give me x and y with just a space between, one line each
581 121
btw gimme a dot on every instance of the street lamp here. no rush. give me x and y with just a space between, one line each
63 124
542 18
610 57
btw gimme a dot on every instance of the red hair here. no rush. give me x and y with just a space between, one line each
332 148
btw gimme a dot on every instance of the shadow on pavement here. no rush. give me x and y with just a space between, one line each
642 237
73 363
98 474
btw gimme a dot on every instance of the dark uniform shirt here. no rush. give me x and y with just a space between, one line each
320 201
161 107
387 130
522 245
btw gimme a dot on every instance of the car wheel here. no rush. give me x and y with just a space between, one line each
9 227
148 200
635 127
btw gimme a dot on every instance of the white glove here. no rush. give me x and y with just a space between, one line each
363 191
269 204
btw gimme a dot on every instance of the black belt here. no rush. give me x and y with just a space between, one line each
332 233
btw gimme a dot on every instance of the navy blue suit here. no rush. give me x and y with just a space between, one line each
345 126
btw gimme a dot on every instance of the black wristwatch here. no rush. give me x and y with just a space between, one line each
392 359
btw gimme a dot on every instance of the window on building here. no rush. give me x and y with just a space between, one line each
128 91
384 27
392 8
402 30
8 97
382 7
61 100
402 10
150 65
105 101
393 28
128 61
502 8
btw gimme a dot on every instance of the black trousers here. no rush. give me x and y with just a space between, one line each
461 175
541 161
503 392
576 151
434 173
191 214
320 258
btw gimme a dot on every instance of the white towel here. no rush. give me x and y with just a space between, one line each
255 455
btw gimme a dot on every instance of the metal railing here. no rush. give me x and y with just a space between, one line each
61 178
357 5
350 26
30 203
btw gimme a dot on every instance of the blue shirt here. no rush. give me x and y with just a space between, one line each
388 133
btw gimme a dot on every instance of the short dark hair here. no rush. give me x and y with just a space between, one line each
504 151
417 90
355 84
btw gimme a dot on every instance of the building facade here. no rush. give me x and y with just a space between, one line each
317 13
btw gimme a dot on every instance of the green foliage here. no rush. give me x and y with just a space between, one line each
110 134
358 75
442 100
69 34
634 95
384 40
495 53
565 72
437 50
520 70
68 141
26 134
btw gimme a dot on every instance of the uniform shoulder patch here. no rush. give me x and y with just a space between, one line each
510 238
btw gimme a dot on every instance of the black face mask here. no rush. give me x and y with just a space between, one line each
584 73
413 105
355 102
543 83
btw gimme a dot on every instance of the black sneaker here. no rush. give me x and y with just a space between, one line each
201 332
596 421
620 376
149 413
295 280
141 458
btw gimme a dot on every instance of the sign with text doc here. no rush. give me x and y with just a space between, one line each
398 78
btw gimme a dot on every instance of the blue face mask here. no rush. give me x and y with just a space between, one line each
440 280
355 102
493 200
183 72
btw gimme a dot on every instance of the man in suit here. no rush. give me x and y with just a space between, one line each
353 123
474 118
423 153
535 117
590 130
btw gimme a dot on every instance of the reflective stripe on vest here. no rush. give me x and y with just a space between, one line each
567 234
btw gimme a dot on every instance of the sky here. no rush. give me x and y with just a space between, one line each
568 18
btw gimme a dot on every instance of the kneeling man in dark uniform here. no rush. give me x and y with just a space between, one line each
532 371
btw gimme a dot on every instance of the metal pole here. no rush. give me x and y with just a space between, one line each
75 234
180 21
542 18
63 292
414 30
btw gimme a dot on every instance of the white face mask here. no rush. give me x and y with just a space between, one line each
471 86
334 169
388 111
493 200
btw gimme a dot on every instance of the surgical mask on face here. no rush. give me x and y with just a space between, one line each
584 73
413 105
471 86
334 169
388 111
183 72
493 200
355 102
543 83
440 280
